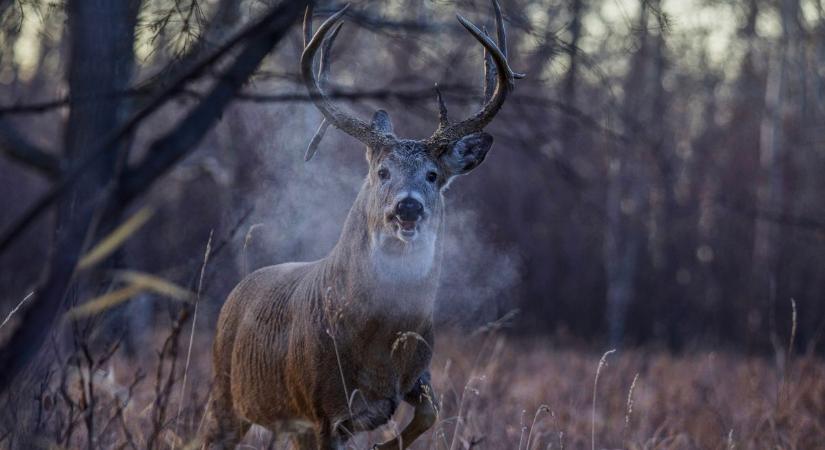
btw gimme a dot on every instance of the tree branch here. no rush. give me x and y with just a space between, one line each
71 175
338 92
217 30
177 143
18 148
36 324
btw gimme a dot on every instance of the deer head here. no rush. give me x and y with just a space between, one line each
406 176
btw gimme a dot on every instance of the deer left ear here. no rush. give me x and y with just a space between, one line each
381 122
467 153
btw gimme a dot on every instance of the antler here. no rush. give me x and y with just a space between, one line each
323 75
500 72
347 123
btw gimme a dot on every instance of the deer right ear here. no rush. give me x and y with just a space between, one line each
466 154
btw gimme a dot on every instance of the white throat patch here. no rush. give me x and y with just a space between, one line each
412 264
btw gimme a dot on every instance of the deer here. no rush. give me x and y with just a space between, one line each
319 351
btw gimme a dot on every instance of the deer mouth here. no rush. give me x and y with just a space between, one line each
406 229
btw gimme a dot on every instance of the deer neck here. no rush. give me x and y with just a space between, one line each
404 282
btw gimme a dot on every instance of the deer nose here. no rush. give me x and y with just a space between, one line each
409 209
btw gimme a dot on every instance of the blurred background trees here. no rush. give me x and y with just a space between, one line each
657 178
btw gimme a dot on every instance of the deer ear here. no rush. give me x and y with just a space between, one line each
381 122
467 153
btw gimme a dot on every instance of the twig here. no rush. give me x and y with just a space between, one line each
16 308
163 385
18 148
629 409
793 328
225 241
192 333
542 408
283 16
336 92
602 364
169 149
262 36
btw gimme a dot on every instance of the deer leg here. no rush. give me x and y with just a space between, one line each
306 440
224 429
316 439
422 398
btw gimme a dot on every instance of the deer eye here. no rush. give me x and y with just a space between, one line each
432 176
383 173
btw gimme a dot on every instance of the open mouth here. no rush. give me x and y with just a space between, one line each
405 228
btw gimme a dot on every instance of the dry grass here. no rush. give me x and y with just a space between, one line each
498 393
693 401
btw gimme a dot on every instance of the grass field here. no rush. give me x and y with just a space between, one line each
496 393
529 392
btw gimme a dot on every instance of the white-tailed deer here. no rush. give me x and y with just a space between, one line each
325 349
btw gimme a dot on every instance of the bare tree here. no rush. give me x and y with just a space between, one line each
628 179
111 185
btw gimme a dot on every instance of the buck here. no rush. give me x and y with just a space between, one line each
326 349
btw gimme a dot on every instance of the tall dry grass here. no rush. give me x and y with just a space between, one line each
495 393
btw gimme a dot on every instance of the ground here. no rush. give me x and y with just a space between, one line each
501 393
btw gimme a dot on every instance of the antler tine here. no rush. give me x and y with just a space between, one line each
500 33
351 125
326 56
443 120
489 73
489 67
312 148
505 82
307 25
323 77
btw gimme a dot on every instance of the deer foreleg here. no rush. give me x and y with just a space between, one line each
423 399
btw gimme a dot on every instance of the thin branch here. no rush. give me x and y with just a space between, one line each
376 23
73 174
15 309
18 148
776 217
169 149
34 107
216 30
336 92
262 36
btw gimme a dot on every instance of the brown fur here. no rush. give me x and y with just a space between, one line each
275 350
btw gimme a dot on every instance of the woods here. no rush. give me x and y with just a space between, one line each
655 182
680 178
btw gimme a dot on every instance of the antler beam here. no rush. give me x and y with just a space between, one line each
323 76
504 76
347 123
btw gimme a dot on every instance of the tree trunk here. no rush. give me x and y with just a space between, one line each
101 62
770 190
626 193
569 125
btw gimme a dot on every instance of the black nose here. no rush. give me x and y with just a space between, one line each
409 209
